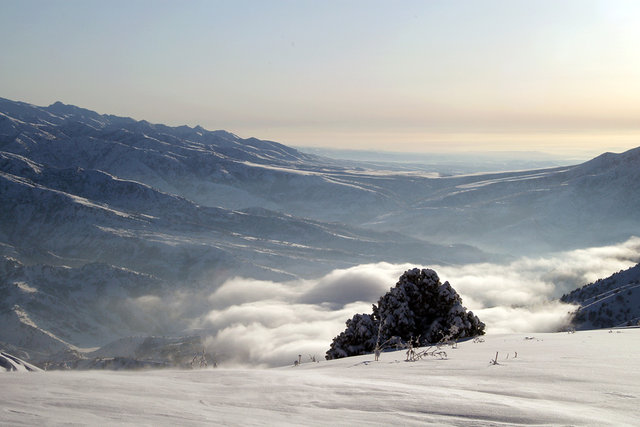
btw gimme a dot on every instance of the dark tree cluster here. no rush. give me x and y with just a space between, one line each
419 308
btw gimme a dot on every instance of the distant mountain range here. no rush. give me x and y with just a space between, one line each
84 187
113 161
97 210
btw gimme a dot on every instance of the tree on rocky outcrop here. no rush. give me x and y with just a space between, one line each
419 308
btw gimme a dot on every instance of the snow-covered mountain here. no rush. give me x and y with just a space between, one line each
88 216
211 168
91 188
93 217
532 211
553 209
99 212
607 303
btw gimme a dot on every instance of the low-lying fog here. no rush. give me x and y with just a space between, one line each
265 323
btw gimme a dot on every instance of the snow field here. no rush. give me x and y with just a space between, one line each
583 378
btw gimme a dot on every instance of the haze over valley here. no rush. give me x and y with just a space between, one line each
113 228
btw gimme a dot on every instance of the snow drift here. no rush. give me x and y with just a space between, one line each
588 378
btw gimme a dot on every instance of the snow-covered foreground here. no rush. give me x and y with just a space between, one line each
585 378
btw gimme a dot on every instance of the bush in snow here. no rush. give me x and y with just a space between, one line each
418 308
360 337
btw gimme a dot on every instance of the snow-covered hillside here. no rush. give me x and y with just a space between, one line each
11 363
112 228
605 303
588 378
588 204
68 199
553 209
48 310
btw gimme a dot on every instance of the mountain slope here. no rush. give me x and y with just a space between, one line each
9 363
90 202
571 207
552 209
89 216
607 303
85 250
211 168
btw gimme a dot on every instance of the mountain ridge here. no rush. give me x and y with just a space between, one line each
220 169
85 197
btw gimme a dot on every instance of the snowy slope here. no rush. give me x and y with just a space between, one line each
47 310
86 230
211 168
570 207
553 209
10 363
586 378
88 216
613 301
112 227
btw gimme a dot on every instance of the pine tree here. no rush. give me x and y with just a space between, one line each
360 337
418 307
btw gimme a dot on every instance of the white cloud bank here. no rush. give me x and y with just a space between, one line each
268 323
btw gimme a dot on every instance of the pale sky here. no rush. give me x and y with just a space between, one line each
555 76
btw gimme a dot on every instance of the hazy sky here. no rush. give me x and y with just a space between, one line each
556 76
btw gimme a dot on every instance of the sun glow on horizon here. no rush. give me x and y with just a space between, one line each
416 76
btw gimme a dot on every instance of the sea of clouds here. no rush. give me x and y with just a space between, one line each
264 323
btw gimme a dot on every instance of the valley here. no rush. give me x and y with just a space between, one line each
112 227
